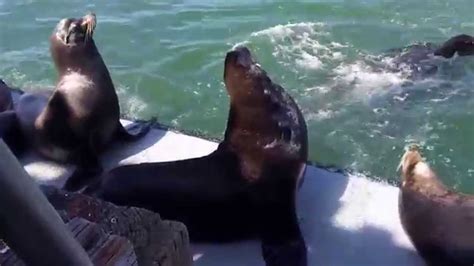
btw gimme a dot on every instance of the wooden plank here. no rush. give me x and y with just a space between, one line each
103 249
155 242
28 219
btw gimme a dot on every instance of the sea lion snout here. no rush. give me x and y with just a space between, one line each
409 160
240 56
244 79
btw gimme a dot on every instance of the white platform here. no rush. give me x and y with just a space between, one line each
346 220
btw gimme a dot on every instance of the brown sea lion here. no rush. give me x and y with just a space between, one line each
247 187
439 221
81 116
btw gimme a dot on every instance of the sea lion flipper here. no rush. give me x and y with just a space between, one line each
134 131
291 253
83 175
88 167
282 241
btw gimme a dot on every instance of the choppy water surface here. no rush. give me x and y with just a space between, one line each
166 59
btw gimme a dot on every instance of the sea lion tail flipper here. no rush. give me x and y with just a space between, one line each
135 130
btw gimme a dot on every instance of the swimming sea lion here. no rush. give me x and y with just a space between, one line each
439 221
81 116
247 186
421 58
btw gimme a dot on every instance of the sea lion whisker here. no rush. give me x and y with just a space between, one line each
89 21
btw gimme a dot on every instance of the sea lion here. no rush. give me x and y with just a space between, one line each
420 58
439 221
77 120
247 187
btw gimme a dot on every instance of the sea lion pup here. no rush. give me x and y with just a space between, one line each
247 187
81 116
439 221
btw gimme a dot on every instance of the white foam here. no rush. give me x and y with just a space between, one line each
288 30
309 61
320 115
130 104
366 81
299 44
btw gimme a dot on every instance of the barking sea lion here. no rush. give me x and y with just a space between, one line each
245 188
439 221
81 116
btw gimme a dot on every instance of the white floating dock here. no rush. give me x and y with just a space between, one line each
346 220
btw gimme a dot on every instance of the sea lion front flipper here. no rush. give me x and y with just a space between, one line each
88 167
134 131
85 173
291 253
282 241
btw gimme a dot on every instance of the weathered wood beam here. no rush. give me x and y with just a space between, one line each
155 241
28 222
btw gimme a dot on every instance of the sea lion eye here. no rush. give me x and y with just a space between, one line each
74 34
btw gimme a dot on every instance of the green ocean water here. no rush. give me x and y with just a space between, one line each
166 59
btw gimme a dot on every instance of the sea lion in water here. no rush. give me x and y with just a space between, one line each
420 58
439 221
76 121
247 187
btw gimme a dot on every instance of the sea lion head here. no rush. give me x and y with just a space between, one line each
244 78
409 160
462 44
265 125
413 167
71 40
